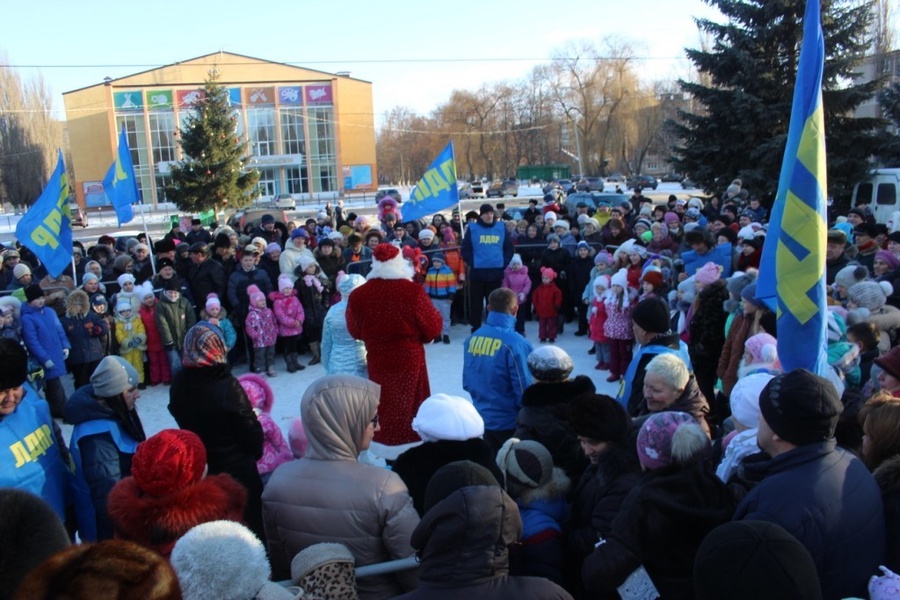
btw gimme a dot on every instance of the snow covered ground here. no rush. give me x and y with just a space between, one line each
444 370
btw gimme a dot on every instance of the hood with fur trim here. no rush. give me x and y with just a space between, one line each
258 391
78 305
12 302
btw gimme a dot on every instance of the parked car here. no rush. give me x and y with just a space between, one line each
688 184
616 178
592 184
592 199
395 194
643 182
670 178
77 216
476 190
246 220
501 189
285 201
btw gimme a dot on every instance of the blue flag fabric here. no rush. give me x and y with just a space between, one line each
120 184
792 271
46 229
436 190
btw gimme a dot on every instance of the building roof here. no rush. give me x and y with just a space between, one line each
219 59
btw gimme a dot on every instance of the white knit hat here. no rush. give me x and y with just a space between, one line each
620 278
445 417
744 399
124 278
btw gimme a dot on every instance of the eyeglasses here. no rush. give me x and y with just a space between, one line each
374 420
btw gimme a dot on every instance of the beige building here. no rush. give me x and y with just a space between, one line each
884 65
308 132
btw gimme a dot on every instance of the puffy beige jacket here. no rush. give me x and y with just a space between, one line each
328 496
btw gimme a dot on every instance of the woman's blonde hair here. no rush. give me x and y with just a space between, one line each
880 420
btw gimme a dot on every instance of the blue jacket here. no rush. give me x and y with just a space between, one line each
341 353
487 250
102 453
85 335
45 338
631 392
826 498
495 371
722 255
34 455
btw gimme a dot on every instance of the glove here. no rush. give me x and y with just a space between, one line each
48 365
521 297
65 353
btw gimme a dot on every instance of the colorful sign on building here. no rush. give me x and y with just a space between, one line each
188 98
234 97
159 99
259 96
292 94
128 101
318 94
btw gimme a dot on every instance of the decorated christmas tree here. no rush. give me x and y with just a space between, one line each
212 172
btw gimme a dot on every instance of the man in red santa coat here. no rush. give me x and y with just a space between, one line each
394 317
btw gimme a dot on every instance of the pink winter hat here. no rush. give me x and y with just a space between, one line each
763 348
212 301
669 438
297 439
708 273
284 281
255 294
548 272
258 391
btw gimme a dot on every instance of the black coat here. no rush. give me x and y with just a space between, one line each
206 278
211 402
544 418
708 326
661 524
416 466
887 476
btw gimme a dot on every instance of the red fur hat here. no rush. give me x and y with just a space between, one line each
168 461
385 252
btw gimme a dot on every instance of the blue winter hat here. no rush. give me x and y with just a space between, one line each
583 244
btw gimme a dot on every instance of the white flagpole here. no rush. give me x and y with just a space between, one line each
147 233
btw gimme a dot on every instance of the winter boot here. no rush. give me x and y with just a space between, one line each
295 362
316 350
289 362
270 371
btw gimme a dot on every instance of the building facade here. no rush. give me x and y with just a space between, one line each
308 133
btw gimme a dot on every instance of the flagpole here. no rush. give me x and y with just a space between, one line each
147 234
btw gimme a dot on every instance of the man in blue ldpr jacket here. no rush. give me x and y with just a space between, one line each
486 250
495 368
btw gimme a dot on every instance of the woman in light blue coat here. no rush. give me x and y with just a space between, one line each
341 354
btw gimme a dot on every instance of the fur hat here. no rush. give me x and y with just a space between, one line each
33 292
445 417
708 273
212 301
669 438
219 560
548 273
870 294
113 376
109 569
125 278
388 263
255 294
619 278
31 532
169 461
801 407
525 464
599 418
21 270
550 363
763 348
850 275
204 346
258 391
652 315
12 304
325 570
744 399
745 560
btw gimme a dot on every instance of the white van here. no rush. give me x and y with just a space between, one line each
881 192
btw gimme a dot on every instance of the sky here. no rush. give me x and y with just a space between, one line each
414 53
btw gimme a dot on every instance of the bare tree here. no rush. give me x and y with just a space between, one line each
29 136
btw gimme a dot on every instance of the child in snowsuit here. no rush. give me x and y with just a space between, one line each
547 300
127 292
262 330
218 316
341 353
618 329
516 278
157 362
598 321
84 328
440 285
289 315
132 337
275 448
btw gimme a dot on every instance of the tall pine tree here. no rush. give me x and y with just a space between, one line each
740 123
212 172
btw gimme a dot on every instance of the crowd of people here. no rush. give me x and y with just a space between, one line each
711 473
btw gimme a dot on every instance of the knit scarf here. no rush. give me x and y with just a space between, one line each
312 280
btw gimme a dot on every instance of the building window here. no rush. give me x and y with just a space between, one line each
162 140
292 134
322 153
261 126
297 180
161 182
269 182
137 144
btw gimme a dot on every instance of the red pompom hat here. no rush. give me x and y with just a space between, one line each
168 461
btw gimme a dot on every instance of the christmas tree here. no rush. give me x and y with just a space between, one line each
739 125
212 171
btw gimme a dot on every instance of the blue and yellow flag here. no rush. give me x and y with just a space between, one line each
792 271
436 190
120 184
46 228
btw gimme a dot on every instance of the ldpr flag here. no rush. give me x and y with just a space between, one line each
120 184
436 190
